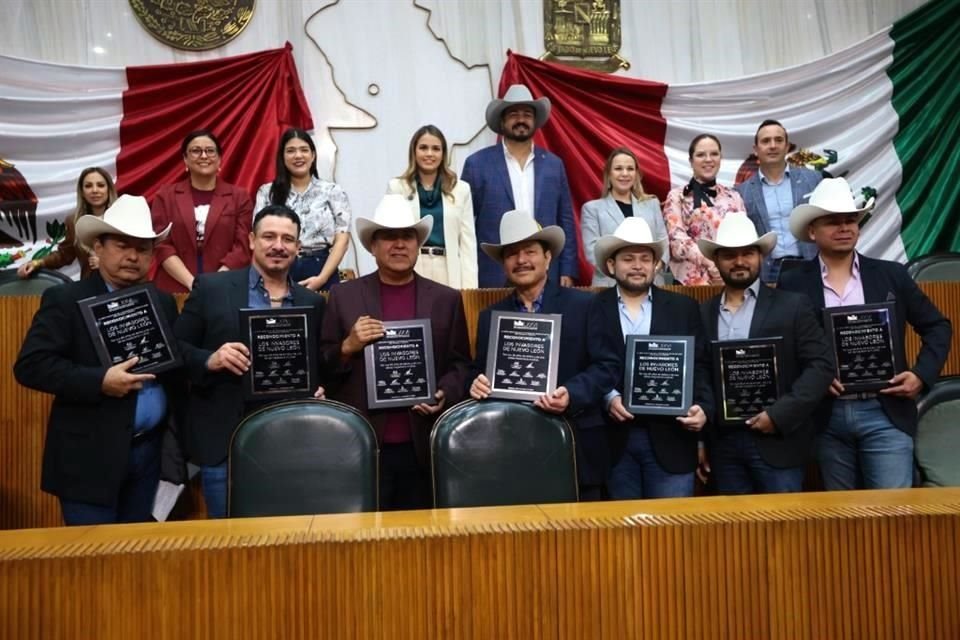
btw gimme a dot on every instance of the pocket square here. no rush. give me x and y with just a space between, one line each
890 296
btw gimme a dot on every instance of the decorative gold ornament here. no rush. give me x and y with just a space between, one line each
194 25
584 33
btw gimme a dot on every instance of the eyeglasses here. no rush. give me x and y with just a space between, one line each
196 152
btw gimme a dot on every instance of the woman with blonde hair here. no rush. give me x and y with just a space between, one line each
449 255
95 193
622 197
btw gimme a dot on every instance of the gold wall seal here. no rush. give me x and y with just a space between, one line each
583 33
194 25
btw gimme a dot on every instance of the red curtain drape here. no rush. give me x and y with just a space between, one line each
247 101
592 114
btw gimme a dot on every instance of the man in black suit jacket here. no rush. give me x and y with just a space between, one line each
653 456
102 452
584 371
866 439
214 356
768 452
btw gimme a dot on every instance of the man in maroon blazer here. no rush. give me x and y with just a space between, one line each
354 318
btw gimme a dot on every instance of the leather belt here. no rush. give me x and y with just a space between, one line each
433 251
863 395
781 259
315 251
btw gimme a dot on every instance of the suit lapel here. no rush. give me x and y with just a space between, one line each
217 205
538 177
797 188
713 315
755 195
660 314
184 199
760 310
613 212
500 167
874 288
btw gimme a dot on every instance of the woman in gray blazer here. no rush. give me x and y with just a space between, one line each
622 196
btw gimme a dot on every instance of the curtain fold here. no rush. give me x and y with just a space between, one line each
247 101
926 95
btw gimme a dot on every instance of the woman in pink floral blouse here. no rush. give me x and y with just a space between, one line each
695 210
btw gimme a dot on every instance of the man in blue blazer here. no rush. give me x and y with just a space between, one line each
517 175
652 456
866 439
772 193
585 370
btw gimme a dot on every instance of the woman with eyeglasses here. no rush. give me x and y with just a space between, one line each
211 219
95 193
322 205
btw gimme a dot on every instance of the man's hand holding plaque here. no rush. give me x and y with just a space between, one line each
866 350
278 356
748 379
399 364
522 359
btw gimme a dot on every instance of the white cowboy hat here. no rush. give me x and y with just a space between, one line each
631 232
832 195
393 212
736 231
518 94
127 216
519 226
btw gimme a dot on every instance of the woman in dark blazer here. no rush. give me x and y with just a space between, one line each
211 219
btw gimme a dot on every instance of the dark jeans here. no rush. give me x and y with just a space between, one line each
308 266
638 474
738 468
213 479
135 501
403 481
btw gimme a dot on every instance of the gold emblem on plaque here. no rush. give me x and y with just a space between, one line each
583 33
195 25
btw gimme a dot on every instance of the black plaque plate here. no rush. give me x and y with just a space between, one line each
127 323
399 366
865 345
523 354
748 378
283 353
658 375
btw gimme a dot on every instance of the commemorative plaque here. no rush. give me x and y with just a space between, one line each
523 354
658 375
400 369
283 353
127 323
865 345
747 377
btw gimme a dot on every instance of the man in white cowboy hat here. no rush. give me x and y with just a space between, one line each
773 191
652 456
102 451
584 371
215 358
516 175
354 319
865 439
769 452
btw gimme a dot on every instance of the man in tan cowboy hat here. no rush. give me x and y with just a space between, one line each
517 175
866 438
525 252
102 451
354 319
769 452
652 456
215 358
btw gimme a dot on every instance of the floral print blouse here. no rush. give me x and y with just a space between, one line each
323 208
685 227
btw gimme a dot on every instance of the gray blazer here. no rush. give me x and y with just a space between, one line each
802 182
602 217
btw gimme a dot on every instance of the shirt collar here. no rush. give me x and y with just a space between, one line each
763 178
649 297
854 270
255 281
752 291
537 303
509 156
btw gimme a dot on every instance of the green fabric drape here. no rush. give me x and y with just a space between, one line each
926 95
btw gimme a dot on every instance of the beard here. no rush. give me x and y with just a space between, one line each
518 137
635 287
739 281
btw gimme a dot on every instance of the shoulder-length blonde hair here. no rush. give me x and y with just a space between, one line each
448 179
637 189
83 207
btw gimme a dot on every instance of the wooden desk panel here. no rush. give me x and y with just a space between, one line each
23 413
842 565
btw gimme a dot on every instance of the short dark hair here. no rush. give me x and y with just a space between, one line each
768 123
200 133
696 141
279 210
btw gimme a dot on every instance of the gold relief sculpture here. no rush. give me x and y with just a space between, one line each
194 25
583 33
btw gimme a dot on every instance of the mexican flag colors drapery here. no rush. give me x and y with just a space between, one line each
56 120
884 113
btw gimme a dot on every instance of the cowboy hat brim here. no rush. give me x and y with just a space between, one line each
91 227
540 106
367 227
553 237
804 214
765 243
607 246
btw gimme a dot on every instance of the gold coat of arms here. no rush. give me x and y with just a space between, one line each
583 33
195 25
